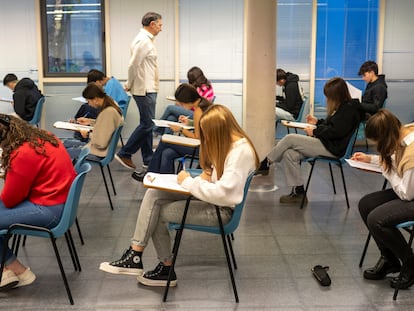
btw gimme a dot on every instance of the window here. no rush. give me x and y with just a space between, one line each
73 37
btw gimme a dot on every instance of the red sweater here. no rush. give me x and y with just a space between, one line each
41 179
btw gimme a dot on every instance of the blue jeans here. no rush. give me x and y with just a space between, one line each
141 137
163 158
172 113
73 147
30 214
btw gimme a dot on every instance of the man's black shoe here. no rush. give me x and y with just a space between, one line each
381 269
138 175
405 282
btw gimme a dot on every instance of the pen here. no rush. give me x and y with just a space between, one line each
86 114
183 163
151 179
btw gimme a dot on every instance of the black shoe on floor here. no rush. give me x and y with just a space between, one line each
139 175
405 282
130 263
263 169
158 276
381 269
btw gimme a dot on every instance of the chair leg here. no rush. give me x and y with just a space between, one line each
122 141
232 252
70 248
79 231
232 236
176 246
3 257
332 178
106 187
343 181
110 177
364 252
62 271
307 184
24 241
75 253
233 283
410 242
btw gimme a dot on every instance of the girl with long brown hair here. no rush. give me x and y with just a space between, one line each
227 158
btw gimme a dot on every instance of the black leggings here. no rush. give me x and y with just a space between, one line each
381 211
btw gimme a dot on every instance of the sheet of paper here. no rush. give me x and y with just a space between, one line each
80 99
71 126
300 125
7 100
364 166
164 182
354 91
172 98
180 140
166 123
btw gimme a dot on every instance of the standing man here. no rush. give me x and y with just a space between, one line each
288 106
375 93
25 95
143 83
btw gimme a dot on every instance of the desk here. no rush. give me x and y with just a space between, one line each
72 126
166 123
182 141
297 125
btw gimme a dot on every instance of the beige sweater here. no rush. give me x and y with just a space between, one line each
107 122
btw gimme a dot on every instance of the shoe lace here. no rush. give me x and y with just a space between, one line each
157 271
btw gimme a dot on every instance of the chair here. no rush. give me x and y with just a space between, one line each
225 231
303 108
108 159
124 113
62 228
329 160
37 116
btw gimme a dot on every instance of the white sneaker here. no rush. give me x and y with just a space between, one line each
8 280
26 278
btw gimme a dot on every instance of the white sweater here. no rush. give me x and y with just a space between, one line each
228 190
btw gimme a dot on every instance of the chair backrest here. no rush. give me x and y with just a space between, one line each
38 111
112 147
71 205
81 159
124 105
232 225
350 146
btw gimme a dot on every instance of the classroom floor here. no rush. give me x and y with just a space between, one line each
276 246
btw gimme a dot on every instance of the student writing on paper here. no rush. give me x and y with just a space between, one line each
163 158
288 106
197 79
227 157
25 95
330 138
382 210
108 120
375 92
38 175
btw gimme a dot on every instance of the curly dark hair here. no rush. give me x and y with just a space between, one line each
15 132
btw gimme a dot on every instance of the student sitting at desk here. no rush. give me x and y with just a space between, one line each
25 95
108 120
163 158
289 105
330 138
381 211
227 157
38 176
197 79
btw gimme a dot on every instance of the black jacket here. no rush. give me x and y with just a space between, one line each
335 131
375 95
25 97
292 102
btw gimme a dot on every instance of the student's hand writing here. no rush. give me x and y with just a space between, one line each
83 121
183 119
175 128
311 119
181 176
362 157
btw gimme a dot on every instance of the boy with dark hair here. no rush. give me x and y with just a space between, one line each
375 92
288 106
25 95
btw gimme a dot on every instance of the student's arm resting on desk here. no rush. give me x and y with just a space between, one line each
228 190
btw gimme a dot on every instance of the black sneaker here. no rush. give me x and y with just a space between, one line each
139 176
130 263
158 276
264 168
293 197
